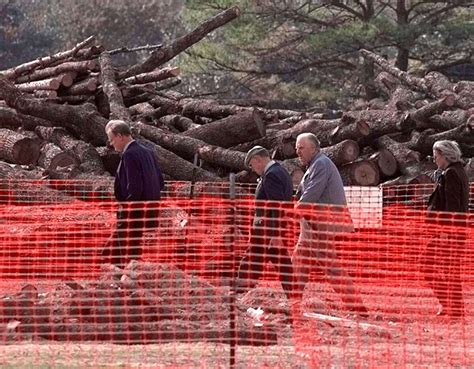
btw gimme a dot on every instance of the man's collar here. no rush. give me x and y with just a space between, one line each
269 164
127 145
315 157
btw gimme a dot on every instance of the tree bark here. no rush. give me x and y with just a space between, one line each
52 157
411 81
163 106
179 122
420 116
418 178
210 109
110 159
46 61
18 149
329 132
165 54
447 120
401 99
428 86
85 87
154 76
141 108
72 66
400 151
84 121
10 118
188 146
90 159
295 168
111 90
461 134
231 130
44 84
386 84
379 122
49 95
343 152
178 168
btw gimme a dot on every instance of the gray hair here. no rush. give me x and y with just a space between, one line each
311 137
118 127
449 149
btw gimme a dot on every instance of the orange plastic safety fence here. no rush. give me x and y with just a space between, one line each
87 282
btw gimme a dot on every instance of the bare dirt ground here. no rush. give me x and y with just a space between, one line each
416 337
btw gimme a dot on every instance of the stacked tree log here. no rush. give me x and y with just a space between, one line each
55 108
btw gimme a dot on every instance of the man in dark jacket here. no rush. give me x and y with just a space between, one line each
138 179
267 237
447 208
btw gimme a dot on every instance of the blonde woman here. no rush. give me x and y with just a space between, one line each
447 207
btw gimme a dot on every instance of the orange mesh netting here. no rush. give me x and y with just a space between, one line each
395 292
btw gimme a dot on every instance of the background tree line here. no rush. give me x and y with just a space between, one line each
286 53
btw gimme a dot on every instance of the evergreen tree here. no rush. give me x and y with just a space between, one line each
307 50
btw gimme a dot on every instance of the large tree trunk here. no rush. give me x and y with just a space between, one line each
446 121
154 76
434 87
360 173
46 61
421 115
110 158
83 121
188 146
85 87
178 122
52 158
379 122
44 84
424 143
161 56
18 149
401 99
90 159
329 132
11 118
111 90
400 151
230 131
74 66
385 161
177 167
343 152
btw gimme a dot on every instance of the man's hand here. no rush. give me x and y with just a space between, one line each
257 221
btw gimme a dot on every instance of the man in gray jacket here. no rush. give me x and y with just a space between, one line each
322 186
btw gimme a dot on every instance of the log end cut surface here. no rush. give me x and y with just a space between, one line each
26 151
366 175
387 163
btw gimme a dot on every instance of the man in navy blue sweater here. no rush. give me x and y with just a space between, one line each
267 238
138 179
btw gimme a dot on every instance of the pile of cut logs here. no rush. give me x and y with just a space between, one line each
53 111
